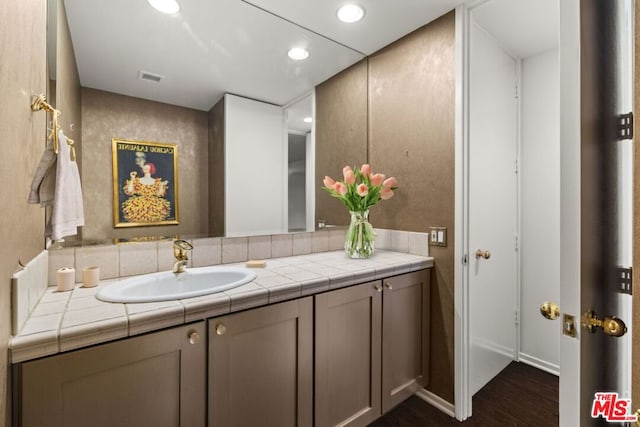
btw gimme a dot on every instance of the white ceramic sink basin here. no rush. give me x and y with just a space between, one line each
166 285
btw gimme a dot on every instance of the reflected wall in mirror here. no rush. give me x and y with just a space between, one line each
264 151
108 115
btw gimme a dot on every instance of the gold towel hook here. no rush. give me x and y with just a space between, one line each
38 103
72 149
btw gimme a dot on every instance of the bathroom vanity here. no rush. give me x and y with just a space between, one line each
341 354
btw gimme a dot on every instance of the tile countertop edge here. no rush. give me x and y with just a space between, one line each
25 347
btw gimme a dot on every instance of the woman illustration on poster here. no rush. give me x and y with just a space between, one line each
146 202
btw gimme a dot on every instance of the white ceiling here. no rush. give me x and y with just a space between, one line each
523 27
213 47
384 22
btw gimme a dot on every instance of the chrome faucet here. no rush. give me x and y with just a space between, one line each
180 253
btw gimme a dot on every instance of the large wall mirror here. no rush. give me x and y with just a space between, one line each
121 69
148 76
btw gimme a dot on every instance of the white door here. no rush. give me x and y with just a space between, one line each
492 208
596 207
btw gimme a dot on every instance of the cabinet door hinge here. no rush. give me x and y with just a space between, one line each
516 317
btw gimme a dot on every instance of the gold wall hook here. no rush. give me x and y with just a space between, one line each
38 103
72 149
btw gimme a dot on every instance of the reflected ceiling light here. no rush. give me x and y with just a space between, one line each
307 120
165 6
350 13
298 53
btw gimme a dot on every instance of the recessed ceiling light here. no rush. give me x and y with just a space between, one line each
307 120
165 6
298 53
350 13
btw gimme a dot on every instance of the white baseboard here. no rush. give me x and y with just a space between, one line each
494 347
539 363
436 401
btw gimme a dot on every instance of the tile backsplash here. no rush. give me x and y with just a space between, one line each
27 287
127 259
140 258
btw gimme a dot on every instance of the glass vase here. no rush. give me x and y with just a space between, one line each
360 238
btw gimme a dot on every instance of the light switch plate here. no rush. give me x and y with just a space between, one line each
437 236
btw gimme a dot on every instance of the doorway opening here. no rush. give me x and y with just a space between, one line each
510 182
300 143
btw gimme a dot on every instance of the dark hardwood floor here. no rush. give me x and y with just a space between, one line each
519 396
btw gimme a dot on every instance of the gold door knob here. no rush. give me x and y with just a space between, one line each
483 254
194 337
610 325
550 310
221 329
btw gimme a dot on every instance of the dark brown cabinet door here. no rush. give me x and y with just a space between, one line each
405 332
347 371
150 380
372 348
261 366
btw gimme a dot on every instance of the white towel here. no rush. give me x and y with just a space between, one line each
44 180
68 213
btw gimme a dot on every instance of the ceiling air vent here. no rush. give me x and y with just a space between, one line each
145 75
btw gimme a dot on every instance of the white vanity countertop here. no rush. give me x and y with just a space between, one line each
64 321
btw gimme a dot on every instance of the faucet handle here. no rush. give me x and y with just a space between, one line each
182 244
180 248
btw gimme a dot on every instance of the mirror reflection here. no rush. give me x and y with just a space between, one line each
147 76
301 156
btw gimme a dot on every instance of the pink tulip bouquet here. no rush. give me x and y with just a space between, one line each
360 189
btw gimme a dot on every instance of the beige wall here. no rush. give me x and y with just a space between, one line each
398 106
107 115
341 134
412 136
22 135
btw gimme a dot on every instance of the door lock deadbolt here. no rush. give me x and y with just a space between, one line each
611 325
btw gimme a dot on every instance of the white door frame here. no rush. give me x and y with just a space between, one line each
570 207
462 393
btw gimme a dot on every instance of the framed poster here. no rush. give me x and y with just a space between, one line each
145 183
